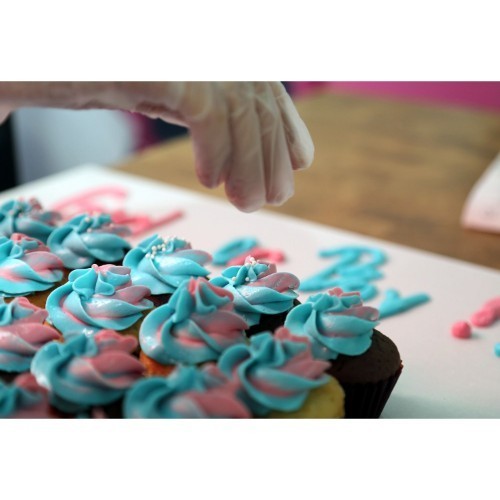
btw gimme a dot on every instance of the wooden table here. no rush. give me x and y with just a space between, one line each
393 170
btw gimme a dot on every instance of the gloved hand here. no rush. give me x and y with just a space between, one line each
247 135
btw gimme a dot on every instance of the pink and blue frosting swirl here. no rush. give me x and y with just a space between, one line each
258 289
275 372
86 239
162 264
88 371
335 322
27 217
27 266
196 325
188 392
24 398
22 334
101 297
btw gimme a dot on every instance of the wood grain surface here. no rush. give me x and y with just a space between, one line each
389 169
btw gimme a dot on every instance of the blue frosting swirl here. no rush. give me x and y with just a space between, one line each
335 323
272 372
101 297
258 289
86 239
27 217
163 264
196 325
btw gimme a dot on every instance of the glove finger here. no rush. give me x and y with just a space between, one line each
300 144
206 113
245 181
277 164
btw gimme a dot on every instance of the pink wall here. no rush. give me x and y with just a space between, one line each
481 95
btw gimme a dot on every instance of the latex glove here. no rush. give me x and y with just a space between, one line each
247 135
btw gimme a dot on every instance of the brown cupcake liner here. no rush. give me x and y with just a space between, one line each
368 400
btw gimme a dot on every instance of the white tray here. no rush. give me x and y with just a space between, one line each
443 377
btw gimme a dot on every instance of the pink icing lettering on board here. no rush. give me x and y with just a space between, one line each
274 256
488 314
99 200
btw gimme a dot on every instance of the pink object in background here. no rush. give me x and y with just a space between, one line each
482 95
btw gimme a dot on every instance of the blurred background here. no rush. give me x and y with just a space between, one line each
36 142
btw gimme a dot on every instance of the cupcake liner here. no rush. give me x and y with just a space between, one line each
368 400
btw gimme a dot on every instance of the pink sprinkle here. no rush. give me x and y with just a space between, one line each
461 330
483 317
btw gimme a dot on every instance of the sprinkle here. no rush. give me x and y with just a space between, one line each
461 330
148 255
247 279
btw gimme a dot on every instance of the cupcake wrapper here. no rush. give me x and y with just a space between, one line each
368 400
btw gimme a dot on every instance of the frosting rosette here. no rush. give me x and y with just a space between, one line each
27 217
276 372
27 266
162 264
88 371
196 325
335 322
258 289
86 239
188 392
101 297
24 398
22 333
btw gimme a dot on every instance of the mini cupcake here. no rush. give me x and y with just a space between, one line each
98 298
262 296
86 372
279 377
342 330
188 392
22 333
27 217
196 326
27 267
163 264
24 398
88 239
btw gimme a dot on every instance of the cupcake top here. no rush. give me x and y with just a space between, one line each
86 239
22 333
101 297
188 392
24 398
162 264
335 322
27 217
276 372
88 370
258 289
196 325
27 266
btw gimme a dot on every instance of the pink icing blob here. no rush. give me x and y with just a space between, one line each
461 330
28 382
